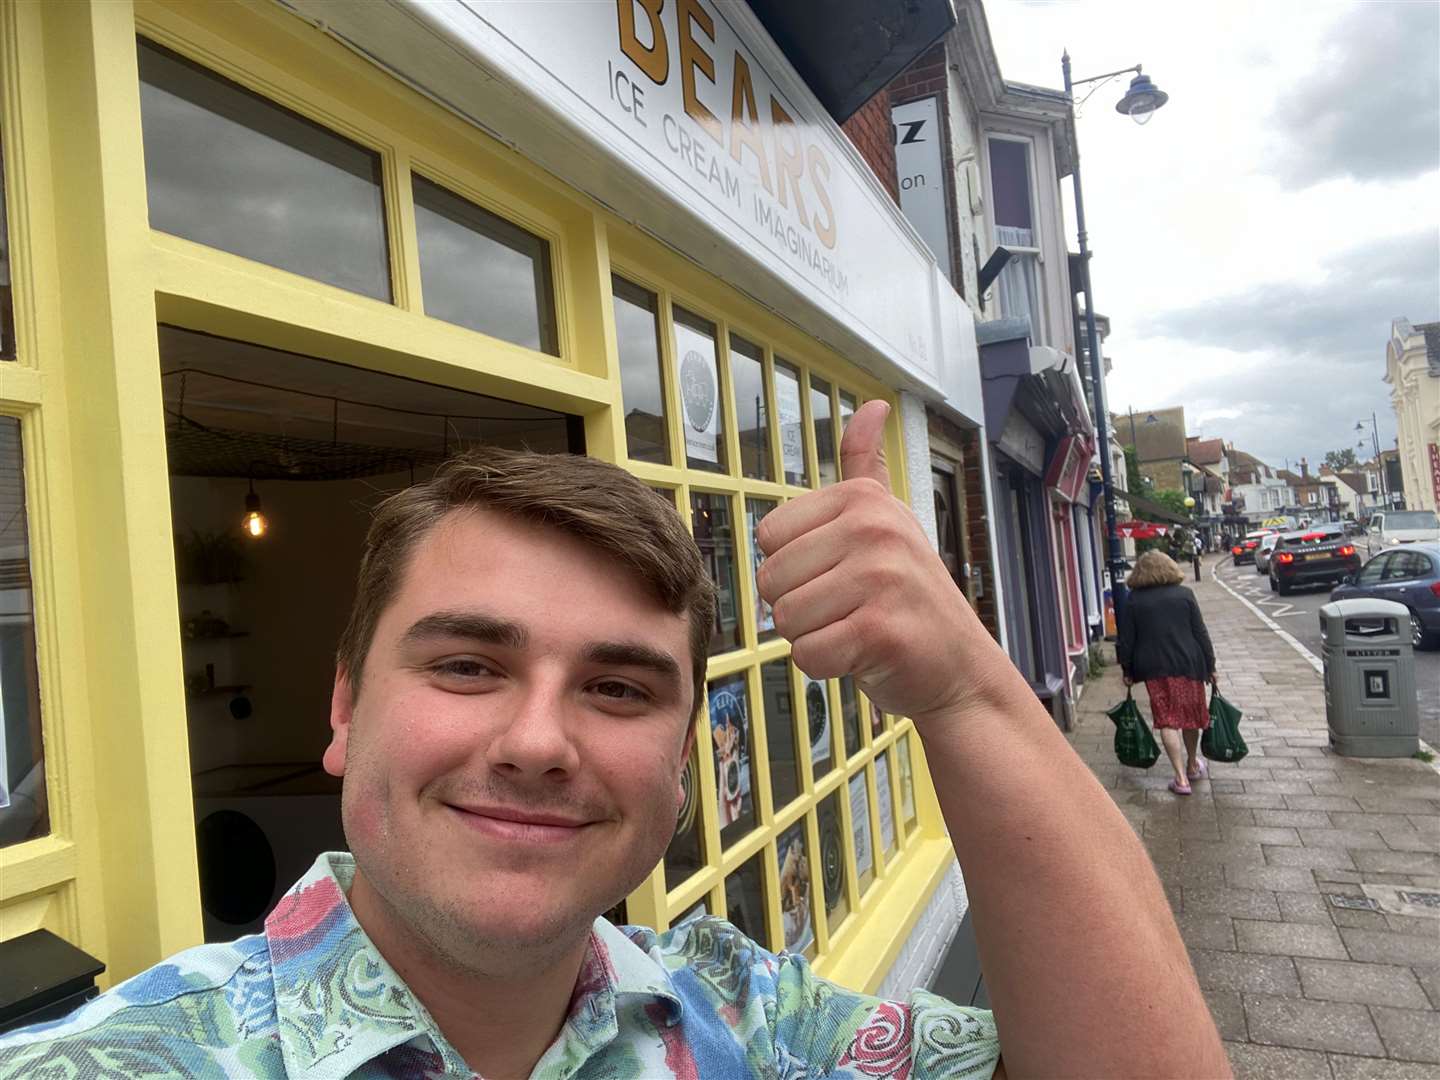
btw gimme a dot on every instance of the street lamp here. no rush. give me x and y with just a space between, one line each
1142 100
1375 436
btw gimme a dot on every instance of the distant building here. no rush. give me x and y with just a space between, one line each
1158 438
1412 368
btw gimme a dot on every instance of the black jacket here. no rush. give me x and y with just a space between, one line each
1162 633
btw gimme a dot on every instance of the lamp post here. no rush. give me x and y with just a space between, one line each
1380 465
1139 102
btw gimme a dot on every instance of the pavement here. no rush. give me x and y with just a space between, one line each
1306 885
1299 614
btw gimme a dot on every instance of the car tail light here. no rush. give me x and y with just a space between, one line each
1251 543
1347 551
1435 587
1238 550
1284 558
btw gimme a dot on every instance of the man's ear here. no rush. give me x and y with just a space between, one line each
685 753
342 711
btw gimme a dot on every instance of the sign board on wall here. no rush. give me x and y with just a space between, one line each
919 165
690 100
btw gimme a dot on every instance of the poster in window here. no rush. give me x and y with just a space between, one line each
832 860
817 714
907 784
860 824
795 906
787 410
755 511
730 730
887 803
699 392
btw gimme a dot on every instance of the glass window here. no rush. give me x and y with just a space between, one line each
697 366
885 799
686 853
780 732
7 299
715 536
817 714
637 333
227 168
745 899
860 830
907 785
755 511
731 735
797 911
24 807
847 410
877 720
792 435
697 910
480 271
1018 287
832 860
850 715
752 413
824 430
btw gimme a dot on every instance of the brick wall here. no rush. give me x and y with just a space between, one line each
977 519
924 950
873 134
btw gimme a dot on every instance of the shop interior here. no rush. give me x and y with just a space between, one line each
276 462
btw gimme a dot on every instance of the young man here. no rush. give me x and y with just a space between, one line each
514 704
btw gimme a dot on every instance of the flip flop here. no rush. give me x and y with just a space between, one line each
1202 771
1178 790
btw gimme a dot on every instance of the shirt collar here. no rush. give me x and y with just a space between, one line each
340 1004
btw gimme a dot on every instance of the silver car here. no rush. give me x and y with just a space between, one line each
1264 551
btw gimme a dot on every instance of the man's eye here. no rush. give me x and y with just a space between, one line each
462 668
621 691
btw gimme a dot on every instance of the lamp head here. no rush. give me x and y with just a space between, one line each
1141 100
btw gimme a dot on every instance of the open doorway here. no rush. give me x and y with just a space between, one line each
276 462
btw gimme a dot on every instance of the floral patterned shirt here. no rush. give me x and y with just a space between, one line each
313 997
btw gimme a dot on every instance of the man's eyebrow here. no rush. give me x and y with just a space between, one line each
467 624
634 654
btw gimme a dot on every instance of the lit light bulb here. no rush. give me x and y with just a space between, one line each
254 523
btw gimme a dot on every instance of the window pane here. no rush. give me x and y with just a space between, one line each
847 410
637 332
886 800
1010 179
850 715
7 298
877 720
697 366
686 853
752 417
695 911
796 910
817 713
227 168
755 511
715 537
907 785
792 436
780 732
480 271
824 430
745 900
860 829
734 747
832 860
24 807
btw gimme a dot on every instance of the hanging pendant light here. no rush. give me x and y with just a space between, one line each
254 523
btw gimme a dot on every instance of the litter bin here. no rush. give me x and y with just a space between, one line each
1370 701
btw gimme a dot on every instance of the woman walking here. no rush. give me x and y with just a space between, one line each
1164 644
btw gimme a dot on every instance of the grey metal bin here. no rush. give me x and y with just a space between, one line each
1370 701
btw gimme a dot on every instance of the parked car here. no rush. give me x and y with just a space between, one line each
1409 576
1264 551
1391 527
1322 556
1244 549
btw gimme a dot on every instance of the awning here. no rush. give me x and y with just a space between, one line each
1152 511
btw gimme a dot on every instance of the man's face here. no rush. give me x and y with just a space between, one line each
512 758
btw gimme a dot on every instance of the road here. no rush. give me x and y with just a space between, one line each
1299 614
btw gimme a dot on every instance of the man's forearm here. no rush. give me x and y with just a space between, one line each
1074 930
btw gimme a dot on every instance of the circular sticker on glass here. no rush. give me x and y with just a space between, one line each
697 386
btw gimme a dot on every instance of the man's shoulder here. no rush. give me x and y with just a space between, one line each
190 1015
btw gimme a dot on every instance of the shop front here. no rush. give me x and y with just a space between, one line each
272 263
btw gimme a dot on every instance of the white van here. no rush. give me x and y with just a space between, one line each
1390 527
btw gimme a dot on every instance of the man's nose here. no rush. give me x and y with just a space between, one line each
534 738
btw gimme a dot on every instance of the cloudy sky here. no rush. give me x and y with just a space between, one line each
1254 240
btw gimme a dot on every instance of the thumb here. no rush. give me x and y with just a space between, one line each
862 449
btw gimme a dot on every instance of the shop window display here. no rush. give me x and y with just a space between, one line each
697 369
215 152
821 417
686 853
817 715
752 411
715 536
745 899
849 715
755 511
885 800
797 910
907 784
775 685
479 271
792 432
731 738
637 333
832 861
860 830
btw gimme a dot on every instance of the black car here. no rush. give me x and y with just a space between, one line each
1320 556
1244 549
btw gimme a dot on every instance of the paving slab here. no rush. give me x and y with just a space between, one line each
1238 903
1289 939
1345 1067
1229 1013
1385 947
1251 1062
1245 971
1410 1034
1311 1025
1361 984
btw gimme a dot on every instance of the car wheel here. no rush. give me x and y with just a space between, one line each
1272 584
1419 638
1283 588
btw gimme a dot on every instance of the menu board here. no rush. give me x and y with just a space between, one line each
860 825
698 373
787 410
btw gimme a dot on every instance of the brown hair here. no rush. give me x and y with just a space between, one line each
1154 568
598 503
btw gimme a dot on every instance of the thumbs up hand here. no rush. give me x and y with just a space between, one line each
858 590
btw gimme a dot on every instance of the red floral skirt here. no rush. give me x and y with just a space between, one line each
1178 702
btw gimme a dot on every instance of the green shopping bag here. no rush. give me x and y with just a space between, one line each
1134 745
1221 741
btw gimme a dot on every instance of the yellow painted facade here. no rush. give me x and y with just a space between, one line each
117 874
